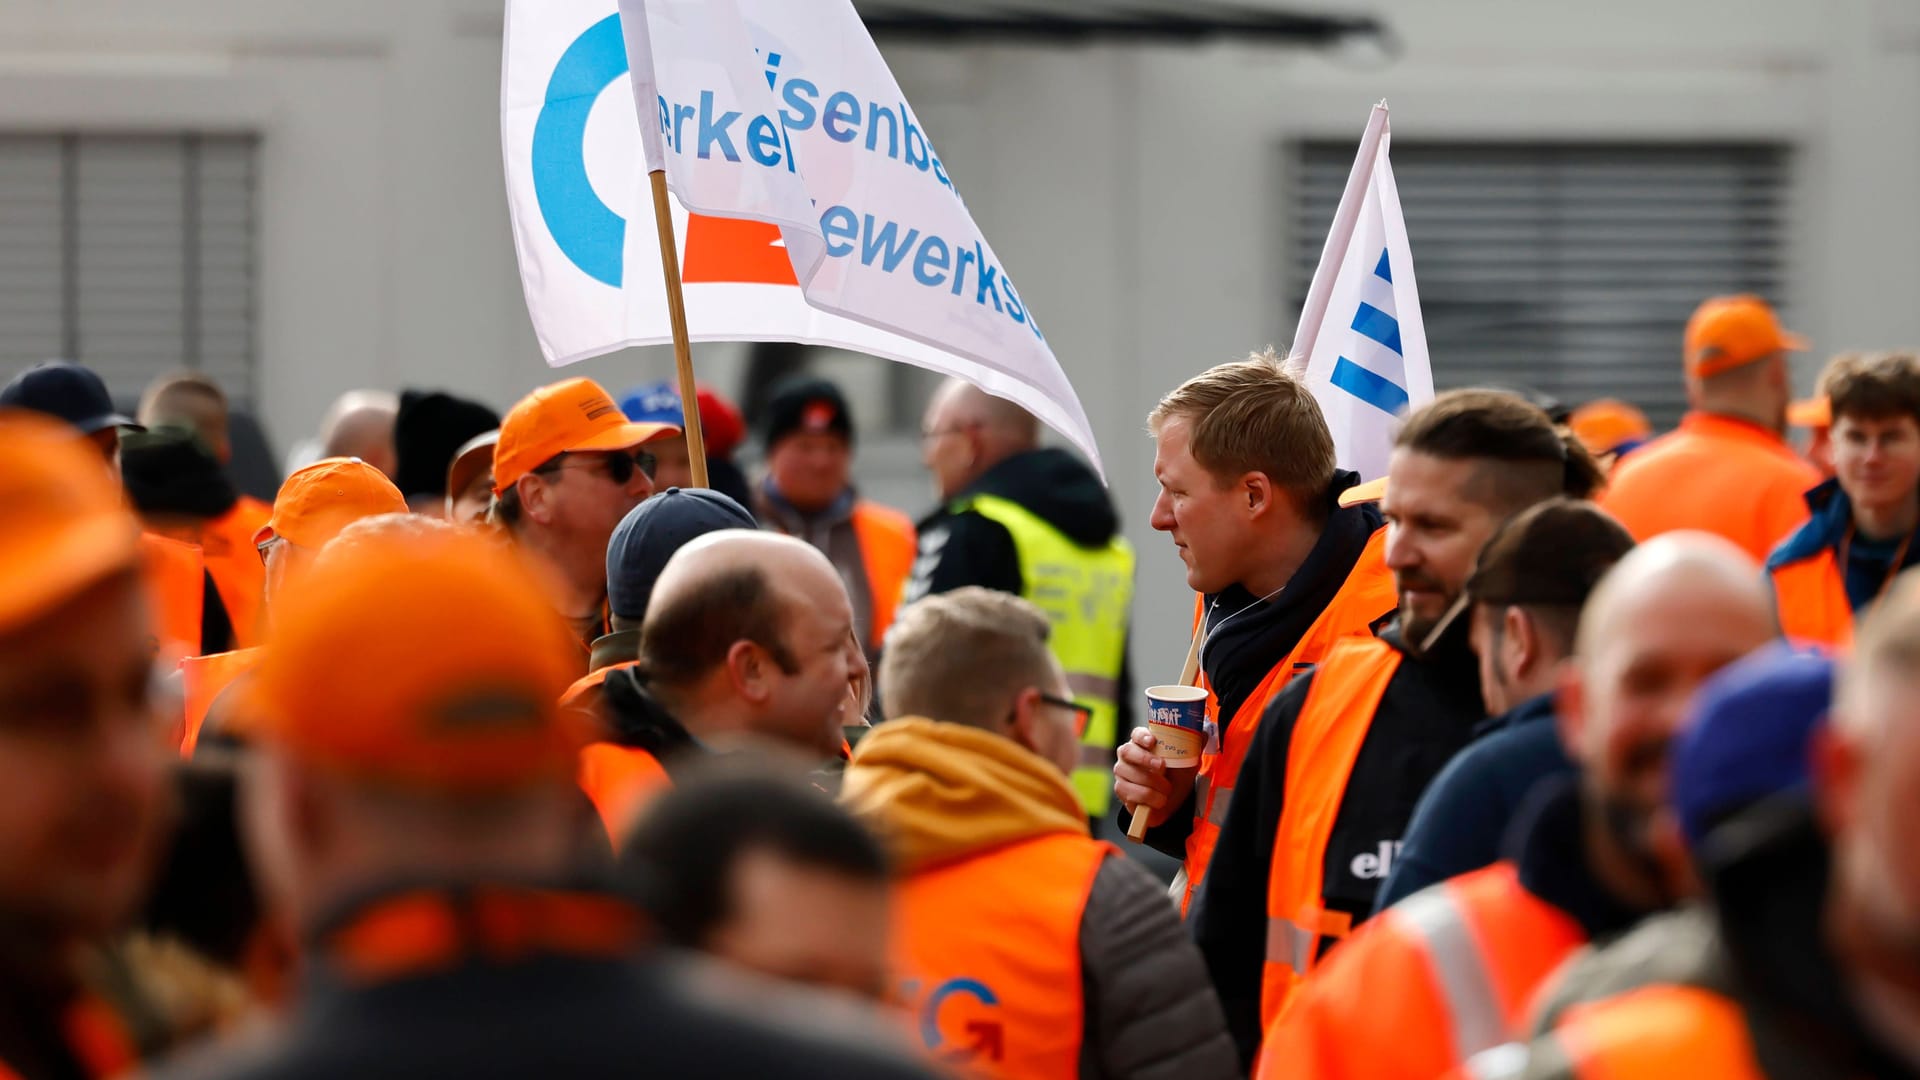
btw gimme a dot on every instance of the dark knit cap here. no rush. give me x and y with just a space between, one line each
429 430
805 403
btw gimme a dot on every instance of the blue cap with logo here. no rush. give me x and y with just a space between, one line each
1750 734
651 532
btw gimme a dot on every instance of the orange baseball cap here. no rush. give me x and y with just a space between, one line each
1729 331
1602 425
568 417
1369 491
1814 412
456 665
66 524
327 496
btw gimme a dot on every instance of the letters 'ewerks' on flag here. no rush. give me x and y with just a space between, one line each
1361 341
820 211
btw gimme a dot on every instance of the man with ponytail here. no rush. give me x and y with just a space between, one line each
1344 753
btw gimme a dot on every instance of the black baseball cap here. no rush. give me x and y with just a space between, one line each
66 391
651 532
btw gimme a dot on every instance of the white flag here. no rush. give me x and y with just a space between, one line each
810 203
1360 339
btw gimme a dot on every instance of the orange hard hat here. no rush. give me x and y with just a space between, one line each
65 524
573 416
1602 425
327 496
1729 331
430 661
1814 412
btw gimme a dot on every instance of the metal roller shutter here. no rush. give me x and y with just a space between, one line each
131 253
1568 268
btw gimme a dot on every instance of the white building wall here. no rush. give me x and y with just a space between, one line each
1134 193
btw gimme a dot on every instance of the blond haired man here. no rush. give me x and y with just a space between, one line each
1250 494
1025 948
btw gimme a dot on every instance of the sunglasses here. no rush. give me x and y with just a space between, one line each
1082 715
620 465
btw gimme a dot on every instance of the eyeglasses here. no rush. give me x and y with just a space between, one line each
620 464
1082 715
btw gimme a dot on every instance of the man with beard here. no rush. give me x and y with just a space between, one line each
1450 969
1808 960
1342 755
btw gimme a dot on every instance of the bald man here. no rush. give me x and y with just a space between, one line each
1036 523
1587 860
749 637
360 424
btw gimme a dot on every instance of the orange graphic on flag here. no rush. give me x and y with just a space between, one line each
733 251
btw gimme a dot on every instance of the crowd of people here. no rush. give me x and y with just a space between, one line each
493 746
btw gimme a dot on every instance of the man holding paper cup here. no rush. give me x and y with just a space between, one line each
1250 495
1343 754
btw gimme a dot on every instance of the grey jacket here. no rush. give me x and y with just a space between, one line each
1151 1014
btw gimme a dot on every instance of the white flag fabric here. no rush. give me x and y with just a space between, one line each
1361 341
810 203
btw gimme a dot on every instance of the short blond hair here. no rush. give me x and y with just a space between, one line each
1255 415
962 656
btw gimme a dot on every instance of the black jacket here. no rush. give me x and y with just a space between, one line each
1429 710
1246 637
1466 813
530 1013
960 549
638 720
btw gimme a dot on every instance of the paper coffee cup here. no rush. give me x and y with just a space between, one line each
1177 716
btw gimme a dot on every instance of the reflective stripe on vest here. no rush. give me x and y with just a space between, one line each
176 592
1366 595
1810 599
1086 593
1465 985
1327 736
1658 1031
988 948
202 678
887 548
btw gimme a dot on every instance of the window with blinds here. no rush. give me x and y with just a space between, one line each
1572 268
131 253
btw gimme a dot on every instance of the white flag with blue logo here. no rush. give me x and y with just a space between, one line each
1360 340
809 201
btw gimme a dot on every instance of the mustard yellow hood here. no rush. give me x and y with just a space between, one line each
936 792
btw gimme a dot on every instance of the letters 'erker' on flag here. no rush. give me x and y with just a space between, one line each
1361 342
811 204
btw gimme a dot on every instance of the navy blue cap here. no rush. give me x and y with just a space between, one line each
66 391
651 532
1749 733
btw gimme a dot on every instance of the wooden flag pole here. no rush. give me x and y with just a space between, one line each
677 314
1137 828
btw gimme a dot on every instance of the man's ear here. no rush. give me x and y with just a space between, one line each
1260 493
747 671
536 498
1026 719
1520 639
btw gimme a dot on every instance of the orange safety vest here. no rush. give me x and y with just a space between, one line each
888 545
619 780
1654 1033
176 591
238 574
1810 598
1450 971
202 678
1366 595
988 948
592 680
1333 723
